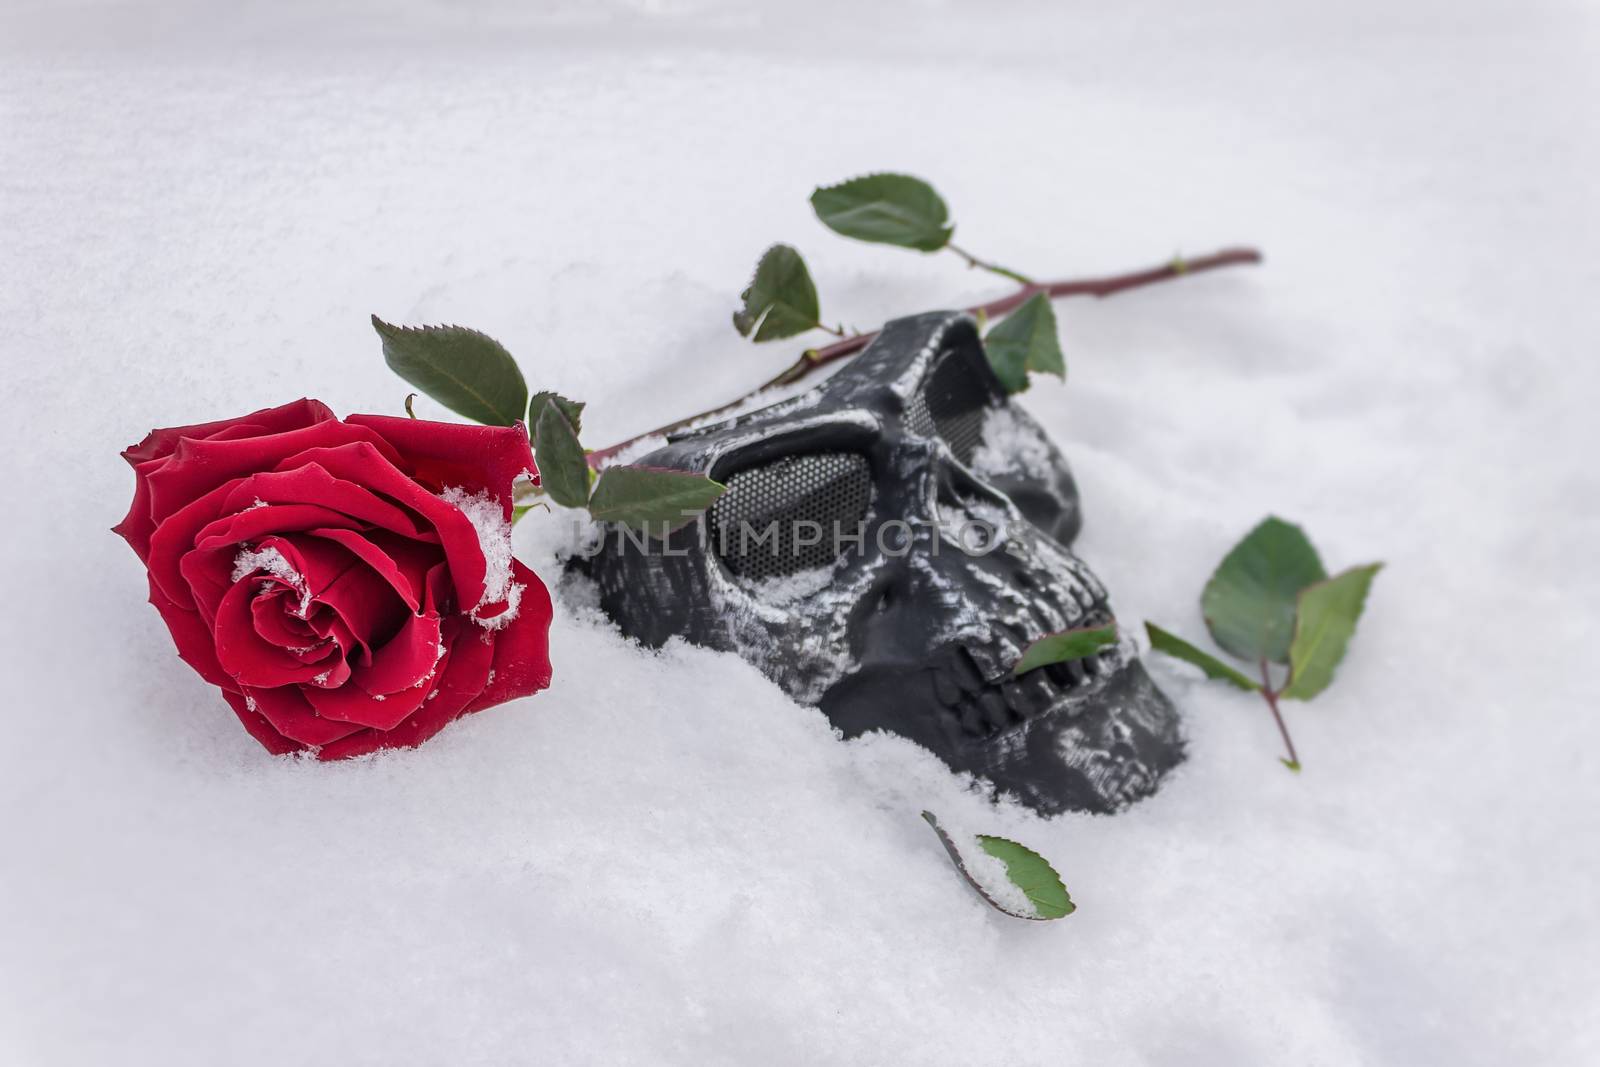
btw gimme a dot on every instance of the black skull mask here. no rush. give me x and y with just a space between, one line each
888 545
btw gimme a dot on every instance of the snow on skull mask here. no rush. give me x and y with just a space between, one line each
888 545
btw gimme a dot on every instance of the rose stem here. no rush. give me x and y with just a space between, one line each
812 358
1271 697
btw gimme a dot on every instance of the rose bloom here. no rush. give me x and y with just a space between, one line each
349 586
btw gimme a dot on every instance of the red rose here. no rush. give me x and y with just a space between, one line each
349 586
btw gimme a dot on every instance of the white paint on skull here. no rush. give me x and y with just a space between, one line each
787 588
736 438
814 656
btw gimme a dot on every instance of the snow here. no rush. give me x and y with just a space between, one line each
269 559
494 536
989 871
1008 446
661 859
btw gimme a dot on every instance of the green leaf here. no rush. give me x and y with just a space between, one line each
1249 603
650 499
563 469
780 300
1324 624
1024 341
891 209
1025 868
468 372
525 496
1177 647
1031 873
1066 645
572 409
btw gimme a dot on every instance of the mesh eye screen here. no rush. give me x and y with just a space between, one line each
762 526
957 397
952 404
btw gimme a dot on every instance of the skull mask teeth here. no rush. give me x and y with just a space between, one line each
842 563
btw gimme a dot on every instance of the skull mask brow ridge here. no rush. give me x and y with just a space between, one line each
838 563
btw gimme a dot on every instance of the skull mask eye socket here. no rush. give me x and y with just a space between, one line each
789 516
952 404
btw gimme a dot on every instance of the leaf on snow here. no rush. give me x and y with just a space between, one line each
1026 340
1249 603
468 372
894 209
1324 624
1025 868
781 299
1178 648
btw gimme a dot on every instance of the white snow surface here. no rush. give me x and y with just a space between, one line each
661 859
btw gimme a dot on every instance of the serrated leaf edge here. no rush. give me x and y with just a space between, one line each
381 326
750 324
719 486
1288 692
948 227
1210 620
544 471
961 866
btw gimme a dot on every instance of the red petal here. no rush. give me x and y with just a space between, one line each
360 545
174 539
207 576
309 483
351 703
286 709
365 465
137 525
522 649
255 523
199 466
245 656
291 416
408 657
454 454
196 647
258 727
278 625
463 672
367 603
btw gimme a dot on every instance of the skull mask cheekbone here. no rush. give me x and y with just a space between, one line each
889 544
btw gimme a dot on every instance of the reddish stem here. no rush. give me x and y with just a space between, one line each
1271 695
812 358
